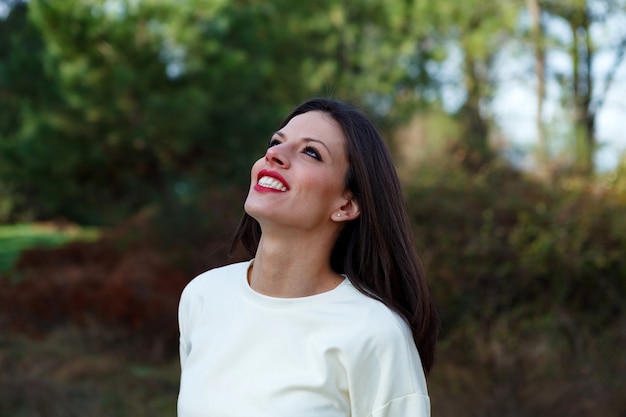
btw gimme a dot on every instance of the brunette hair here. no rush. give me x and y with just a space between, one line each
376 250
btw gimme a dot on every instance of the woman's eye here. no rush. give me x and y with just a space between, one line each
273 142
312 152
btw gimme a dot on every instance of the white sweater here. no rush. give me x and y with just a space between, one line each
334 354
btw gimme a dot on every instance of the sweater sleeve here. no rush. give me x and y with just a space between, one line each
183 318
414 405
184 351
388 379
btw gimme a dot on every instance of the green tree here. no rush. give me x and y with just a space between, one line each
24 87
155 96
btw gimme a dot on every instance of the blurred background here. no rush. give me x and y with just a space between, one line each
128 128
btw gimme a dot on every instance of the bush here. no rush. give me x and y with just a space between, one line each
498 242
530 280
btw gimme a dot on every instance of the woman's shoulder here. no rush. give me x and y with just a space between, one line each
217 277
378 323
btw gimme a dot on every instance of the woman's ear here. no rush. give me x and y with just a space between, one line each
348 211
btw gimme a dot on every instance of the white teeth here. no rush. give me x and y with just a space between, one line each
270 182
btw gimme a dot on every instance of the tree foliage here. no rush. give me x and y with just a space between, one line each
151 98
110 106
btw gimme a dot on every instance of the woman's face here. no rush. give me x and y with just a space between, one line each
300 180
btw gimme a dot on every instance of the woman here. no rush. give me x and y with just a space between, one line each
328 317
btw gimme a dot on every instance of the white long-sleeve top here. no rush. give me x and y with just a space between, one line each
334 354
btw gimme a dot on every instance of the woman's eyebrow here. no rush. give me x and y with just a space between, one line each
282 135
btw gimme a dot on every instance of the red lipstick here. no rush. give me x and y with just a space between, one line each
273 174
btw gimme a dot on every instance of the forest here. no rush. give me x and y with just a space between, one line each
127 133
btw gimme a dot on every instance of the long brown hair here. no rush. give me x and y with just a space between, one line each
376 250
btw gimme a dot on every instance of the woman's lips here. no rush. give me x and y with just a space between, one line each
271 181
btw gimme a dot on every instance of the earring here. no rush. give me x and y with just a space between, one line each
338 214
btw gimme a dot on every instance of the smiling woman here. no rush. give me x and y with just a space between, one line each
306 163
332 315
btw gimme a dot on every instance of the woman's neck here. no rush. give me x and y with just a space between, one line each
290 268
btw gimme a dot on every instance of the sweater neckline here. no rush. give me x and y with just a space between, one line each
270 301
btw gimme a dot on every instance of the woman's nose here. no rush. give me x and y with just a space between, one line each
276 154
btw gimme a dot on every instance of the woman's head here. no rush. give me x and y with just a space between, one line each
299 182
371 178
375 249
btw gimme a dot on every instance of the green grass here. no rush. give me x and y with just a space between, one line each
15 238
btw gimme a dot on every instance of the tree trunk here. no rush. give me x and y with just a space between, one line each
584 116
474 152
579 18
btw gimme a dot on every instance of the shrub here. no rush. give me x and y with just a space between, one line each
497 243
